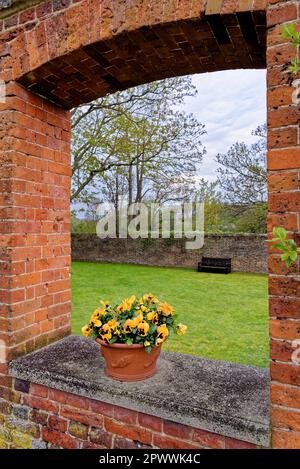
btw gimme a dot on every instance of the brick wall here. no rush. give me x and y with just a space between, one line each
41 47
34 222
284 204
248 252
39 417
165 41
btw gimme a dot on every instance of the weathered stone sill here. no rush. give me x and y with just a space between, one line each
221 397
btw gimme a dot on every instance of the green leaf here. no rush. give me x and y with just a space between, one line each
294 256
280 232
113 340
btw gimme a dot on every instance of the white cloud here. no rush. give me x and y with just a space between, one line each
231 104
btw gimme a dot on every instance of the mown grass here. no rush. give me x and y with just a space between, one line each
226 315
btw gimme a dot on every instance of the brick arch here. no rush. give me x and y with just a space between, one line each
123 44
46 46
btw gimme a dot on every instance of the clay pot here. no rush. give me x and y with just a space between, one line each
129 362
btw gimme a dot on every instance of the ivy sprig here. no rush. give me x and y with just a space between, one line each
287 246
289 32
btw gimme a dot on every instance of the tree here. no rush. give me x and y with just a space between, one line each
208 193
242 172
162 154
135 139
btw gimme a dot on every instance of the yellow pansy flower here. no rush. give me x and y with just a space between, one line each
97 323
105 303
126 304
165 309
139 318
143 328
158 342
153 316
150 298
181 329
112 323
86 330
105 332
98 312
128 326
162 331
147 343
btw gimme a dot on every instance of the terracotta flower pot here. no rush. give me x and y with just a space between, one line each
129 362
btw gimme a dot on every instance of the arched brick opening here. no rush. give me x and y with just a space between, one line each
61 53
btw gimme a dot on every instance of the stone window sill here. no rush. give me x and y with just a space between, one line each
221 397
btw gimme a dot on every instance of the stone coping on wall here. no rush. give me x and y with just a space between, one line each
10 7
226 398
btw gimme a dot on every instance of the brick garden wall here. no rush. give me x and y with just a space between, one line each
248 252
34 222
284 205
56 49
39 417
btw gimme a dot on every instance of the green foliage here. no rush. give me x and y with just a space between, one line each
252 220
136 143
83 226
288 247
242 172
289 32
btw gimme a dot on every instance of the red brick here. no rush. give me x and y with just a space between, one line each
38 390
57 423
82 416
284 159
27 15
283 117
100 437
125 415
39 416
101 408
285 439
285 373
78 430
44 9
208 439
285 395
128 431
166 442
285 329
284 182
178 430
285 307
276 266
281 138
284 286
231 443
40 403
285 419
123 443
60 440
281 350
77 401
282 13
150 422
89 445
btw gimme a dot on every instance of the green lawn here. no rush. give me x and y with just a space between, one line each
226 315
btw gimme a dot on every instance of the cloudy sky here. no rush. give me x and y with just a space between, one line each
231 104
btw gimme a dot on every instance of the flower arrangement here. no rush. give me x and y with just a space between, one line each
146 321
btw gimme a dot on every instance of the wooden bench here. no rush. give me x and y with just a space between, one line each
215 265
